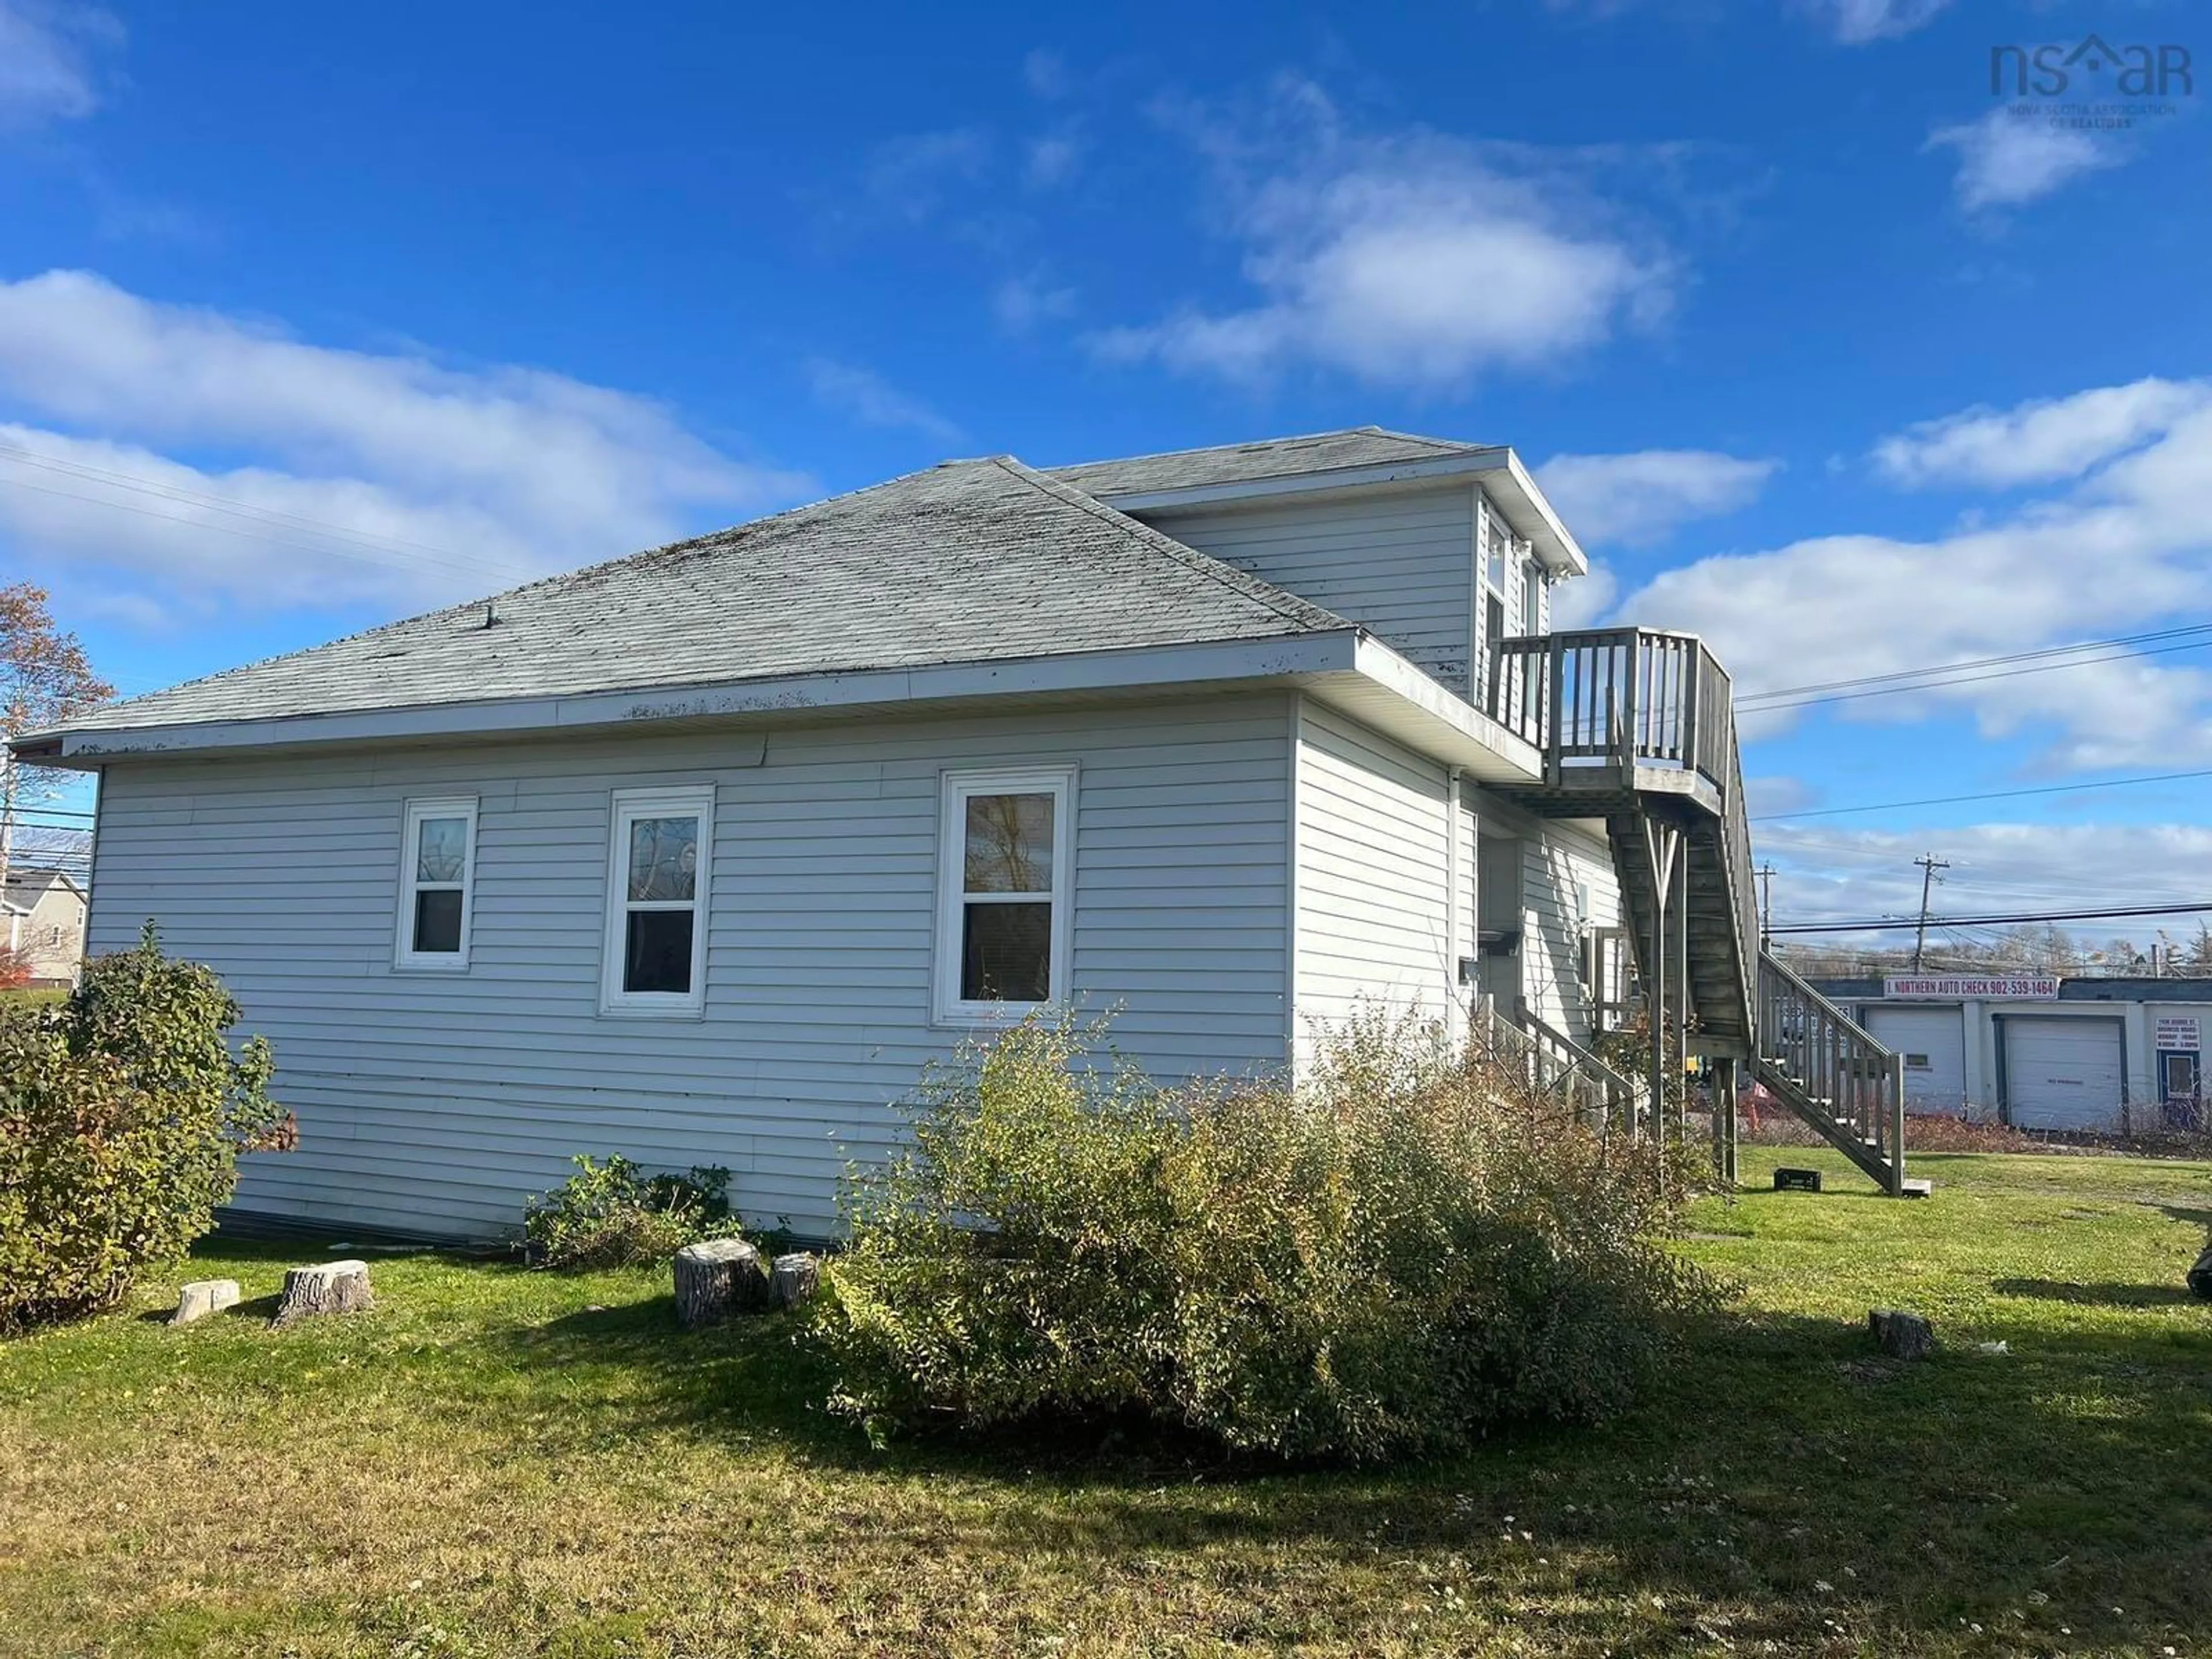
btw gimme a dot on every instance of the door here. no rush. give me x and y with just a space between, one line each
2063 1074
1934 1043
1499 889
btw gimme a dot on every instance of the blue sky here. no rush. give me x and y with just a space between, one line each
310 319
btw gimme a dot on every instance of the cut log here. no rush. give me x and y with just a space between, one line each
795 1278
1901 1335
2200 1276
204 1297
717 1278
332 1287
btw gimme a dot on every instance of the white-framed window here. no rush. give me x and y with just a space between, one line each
1005 891
437 882
658 879
1532 598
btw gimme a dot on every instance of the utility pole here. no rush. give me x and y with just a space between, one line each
1930 864
1766 907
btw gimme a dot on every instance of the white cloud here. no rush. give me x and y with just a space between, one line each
872 401
2127 548
1582 601
1828 873
47 60
2007 158
1044 72
2036 442
1052 160
1414 260
1020 303
1636 499
909 176
1856 22
359 475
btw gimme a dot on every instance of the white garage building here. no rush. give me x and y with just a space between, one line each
2037 1052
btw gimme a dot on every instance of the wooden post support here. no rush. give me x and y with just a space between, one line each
1727 1153
1897 1126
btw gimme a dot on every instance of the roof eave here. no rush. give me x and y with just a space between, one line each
1497 468
1282 657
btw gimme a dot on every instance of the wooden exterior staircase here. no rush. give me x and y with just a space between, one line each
1637 728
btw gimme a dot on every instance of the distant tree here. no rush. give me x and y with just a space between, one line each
2199 953
44 680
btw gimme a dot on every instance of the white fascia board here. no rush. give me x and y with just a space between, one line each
1168 667
1393 696
1497 469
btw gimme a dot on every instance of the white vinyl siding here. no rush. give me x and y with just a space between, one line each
438 1104
1376 918
1571 889
1400 565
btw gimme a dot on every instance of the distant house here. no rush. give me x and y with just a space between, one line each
45 913
701 854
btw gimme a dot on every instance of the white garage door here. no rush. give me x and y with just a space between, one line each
1934 1044
2063 1074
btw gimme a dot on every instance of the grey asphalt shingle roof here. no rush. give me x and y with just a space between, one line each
1277 458
973 560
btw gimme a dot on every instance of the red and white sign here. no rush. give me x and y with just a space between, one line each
2010 987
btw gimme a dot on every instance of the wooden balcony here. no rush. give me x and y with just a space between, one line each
1616 710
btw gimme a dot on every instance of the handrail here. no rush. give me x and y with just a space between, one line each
1843 1073
1503 1037
1575 1055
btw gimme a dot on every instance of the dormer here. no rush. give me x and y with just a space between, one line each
1440 549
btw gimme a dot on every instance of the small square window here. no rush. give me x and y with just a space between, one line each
658 881
1004 895
437 875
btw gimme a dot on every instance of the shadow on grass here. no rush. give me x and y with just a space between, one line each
2104 1296
1779 1452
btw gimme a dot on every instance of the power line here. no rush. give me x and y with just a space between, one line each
1986 794
1893 922
1915 679
365 549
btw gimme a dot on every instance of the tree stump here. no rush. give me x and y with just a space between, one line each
795 1280
2200 1276
1901 1335
717 1278
204 1297
333 1287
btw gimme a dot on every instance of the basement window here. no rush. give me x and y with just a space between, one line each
658 879
437 878
1006 844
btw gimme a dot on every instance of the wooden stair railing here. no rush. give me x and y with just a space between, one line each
1821 1065
1547 1060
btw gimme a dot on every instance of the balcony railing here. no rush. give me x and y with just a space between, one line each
1617 698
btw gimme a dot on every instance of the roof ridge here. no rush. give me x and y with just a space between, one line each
1280 600
1234 443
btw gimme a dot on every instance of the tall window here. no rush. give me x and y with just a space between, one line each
1532 598
657 887
1003 891
437 875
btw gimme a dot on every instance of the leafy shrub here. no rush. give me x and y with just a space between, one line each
122 1113
612 1214
1409 1250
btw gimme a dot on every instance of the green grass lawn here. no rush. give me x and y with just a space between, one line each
497 1462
